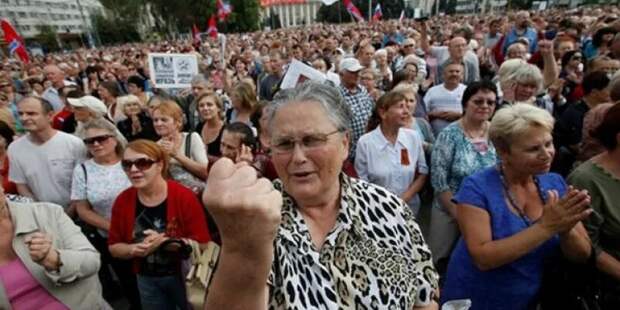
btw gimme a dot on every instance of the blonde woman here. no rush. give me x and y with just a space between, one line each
138 124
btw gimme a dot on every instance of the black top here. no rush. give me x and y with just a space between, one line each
148 131
213 148
160 262
568 128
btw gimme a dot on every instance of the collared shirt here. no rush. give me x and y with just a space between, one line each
375 255
439 98
393 166
51 94
361 105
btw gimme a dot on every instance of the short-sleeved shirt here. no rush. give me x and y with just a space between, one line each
439 98
514 285
47 169
374 255
393 166
361 105
100 186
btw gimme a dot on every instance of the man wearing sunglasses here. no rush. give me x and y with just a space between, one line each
41 162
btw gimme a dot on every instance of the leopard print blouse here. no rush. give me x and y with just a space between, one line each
374 258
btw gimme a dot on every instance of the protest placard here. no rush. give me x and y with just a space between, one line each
172 70
298 72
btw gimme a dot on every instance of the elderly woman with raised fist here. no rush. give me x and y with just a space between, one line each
315 238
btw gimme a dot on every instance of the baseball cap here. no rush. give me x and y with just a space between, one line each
90 102
350 64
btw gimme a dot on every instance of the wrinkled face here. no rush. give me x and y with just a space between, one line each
208 109
310 169
522 20
481 106
32 116
141 176
396 115
230 144
531 151
164 125
54 74
100 142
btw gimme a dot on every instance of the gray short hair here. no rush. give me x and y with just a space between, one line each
528 73
514 120
104 124
198 79
328 96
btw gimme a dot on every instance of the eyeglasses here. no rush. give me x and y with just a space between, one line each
408 45
309 142
480 102
141 164
98 139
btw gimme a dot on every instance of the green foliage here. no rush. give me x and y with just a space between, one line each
47 38
115 30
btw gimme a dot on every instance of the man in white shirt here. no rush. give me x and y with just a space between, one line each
443 102
41 162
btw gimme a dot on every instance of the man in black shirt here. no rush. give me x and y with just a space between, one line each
568 128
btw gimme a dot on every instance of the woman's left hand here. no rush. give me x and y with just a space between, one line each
41 250
168 146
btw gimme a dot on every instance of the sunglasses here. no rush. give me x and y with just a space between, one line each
98 139
141 164
408 45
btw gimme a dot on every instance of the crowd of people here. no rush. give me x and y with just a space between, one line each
503 130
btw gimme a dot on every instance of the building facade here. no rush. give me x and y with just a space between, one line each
64 16
292 13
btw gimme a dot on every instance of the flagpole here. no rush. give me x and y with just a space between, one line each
339 12
369 10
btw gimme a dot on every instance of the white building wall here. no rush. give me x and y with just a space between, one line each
63 15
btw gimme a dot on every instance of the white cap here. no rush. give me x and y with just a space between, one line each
94 104
350 64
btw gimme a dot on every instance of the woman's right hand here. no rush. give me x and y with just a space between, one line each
246 208
561 215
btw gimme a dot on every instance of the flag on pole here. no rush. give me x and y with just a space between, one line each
14 40
212 29
223 9
378 14
402 16
196 34
353 10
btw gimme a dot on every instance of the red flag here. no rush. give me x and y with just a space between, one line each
212 29
15 41
223 9
196 34
353 10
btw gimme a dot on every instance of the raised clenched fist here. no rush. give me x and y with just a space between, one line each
246 208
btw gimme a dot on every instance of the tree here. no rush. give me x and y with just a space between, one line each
115 30
245 16
47 38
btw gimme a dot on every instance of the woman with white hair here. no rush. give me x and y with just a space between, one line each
513 216
138 124
526 85
383 69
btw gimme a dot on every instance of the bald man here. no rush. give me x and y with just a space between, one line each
55 75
